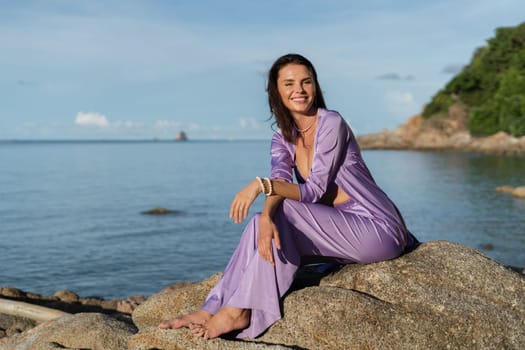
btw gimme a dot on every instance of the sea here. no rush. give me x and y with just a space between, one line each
71 212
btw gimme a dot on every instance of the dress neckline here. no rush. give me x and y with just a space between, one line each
298 174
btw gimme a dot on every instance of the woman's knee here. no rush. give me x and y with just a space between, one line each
380 251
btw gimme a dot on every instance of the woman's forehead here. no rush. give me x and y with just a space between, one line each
294 71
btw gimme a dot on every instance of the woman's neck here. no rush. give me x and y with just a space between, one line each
304 122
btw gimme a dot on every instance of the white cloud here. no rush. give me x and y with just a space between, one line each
401 104
91 119
249 122
126 124
166 125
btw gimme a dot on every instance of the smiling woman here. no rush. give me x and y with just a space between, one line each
334 212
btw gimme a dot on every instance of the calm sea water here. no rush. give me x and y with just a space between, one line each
70 212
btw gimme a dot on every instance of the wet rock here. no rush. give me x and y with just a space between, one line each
518 192
67 296
505 189
11 292
159 211
487 246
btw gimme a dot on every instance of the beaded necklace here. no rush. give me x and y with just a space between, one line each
302 131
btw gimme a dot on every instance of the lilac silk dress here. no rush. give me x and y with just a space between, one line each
365 229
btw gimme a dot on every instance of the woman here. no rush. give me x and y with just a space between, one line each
335 210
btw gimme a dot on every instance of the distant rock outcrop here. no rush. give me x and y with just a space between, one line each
442 134
181 136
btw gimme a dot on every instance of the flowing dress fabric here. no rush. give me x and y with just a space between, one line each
366 228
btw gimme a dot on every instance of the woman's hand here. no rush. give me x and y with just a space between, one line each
267 232
243 200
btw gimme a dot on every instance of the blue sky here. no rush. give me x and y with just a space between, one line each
144 69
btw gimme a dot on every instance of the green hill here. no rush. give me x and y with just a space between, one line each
491 87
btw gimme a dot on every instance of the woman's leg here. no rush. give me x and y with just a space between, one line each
250 282
344 232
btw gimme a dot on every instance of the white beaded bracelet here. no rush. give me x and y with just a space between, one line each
270 187
260 183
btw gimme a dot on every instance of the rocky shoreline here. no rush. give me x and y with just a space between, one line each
443 134
441 295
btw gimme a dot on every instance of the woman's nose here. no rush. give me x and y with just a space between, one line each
299 88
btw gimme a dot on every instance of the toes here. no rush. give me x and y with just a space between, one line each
165 325
198 330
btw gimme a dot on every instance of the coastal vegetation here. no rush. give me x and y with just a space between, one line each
491 87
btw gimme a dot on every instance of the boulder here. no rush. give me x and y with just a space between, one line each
81 331
441 294
518 192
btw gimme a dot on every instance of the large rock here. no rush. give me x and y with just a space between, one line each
153 338
167 305
81 331
441 295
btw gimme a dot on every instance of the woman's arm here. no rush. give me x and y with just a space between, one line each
243 200
267 228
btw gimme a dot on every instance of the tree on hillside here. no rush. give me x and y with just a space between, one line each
492 86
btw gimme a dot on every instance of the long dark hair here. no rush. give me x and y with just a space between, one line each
283 117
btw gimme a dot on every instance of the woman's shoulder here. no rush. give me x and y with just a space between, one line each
330 117
333 120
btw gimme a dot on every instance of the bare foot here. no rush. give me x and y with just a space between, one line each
199 317
226 320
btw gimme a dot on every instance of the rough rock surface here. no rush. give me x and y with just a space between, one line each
442 295
81 331
11 325
443 134
518 192
168 304
154 338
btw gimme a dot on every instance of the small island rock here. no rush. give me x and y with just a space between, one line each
159 211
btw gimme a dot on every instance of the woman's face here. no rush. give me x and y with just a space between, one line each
296 87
